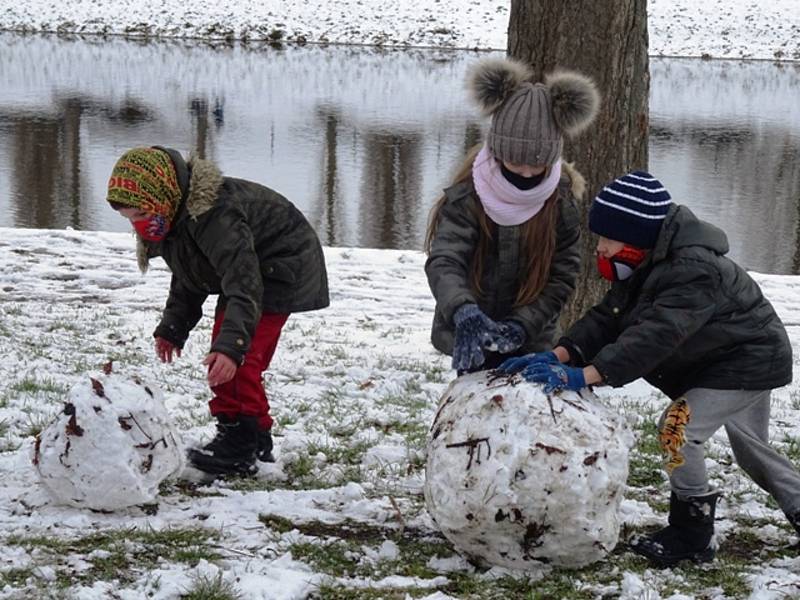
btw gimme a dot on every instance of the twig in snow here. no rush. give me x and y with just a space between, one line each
398 513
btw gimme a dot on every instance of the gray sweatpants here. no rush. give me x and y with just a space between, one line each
691 420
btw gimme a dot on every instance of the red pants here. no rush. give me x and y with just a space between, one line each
245 394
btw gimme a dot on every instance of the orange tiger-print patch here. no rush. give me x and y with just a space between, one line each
672 434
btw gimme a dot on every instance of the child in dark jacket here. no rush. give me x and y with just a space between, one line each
242 242
695 325
503 239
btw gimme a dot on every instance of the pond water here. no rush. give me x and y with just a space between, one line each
362 140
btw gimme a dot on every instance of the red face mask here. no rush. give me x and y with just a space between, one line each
621 265
152 229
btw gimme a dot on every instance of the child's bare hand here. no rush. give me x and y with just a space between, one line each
221 368
165 349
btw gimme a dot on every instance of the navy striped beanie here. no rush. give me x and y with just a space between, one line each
630 209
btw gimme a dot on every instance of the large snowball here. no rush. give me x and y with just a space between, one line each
516 476
111 447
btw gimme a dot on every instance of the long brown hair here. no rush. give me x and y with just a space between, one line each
537 239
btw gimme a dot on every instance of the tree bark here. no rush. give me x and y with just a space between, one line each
607 40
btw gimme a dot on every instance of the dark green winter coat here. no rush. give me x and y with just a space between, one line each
242 241
452 251
688 317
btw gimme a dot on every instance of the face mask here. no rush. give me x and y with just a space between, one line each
153 229
620 266
520 182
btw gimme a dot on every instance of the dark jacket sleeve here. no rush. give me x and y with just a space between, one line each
564 269
181 313
451 253
224 237
596 328
680 307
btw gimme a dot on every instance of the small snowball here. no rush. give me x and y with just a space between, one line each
111 446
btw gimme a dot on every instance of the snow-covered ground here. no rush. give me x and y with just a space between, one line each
340 515
718 28
354 387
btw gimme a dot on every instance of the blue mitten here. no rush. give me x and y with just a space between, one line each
474 332
512 336
519 363
555 377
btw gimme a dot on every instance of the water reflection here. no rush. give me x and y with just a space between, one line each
726 136
48 186
363 140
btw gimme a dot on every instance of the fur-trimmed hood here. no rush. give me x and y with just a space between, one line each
242 242
200 181
203 186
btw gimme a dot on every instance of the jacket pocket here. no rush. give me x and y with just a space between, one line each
278 271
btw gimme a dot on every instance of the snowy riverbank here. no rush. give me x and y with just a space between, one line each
714 28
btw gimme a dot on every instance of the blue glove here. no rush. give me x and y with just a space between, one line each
518 363
555 377
474 333
512 336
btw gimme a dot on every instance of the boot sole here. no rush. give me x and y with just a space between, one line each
213 466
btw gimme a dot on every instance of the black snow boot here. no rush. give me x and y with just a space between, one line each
233 449
688 536
264 452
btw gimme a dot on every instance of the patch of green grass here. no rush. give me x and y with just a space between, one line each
277 523
791 448
61 326
743 544
299 470
646 466
794 399
561 585
124 553
727 576
658 501
411 403
349 530
432 372
332 592
211 588
303 473
336 353
413 387
186 488
35 424
645 471
13 310
344 557
29 385
352 454
415 432
342 554
248 484
336 558
16 577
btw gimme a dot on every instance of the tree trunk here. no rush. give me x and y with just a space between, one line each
606 40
